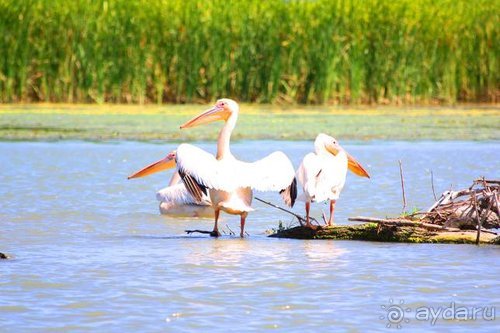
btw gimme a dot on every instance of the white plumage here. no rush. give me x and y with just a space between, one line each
228 181
322 174
271 173
175 200
176 193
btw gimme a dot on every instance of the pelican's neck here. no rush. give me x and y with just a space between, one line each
224 139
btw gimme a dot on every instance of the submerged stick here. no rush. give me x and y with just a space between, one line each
230 231
402 184
323 215
432 185
211 233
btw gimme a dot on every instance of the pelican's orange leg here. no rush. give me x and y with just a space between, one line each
332 210
308 207
215 232
242 224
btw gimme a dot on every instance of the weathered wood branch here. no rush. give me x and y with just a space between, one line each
301 219
401 222
488 181
402 185
432 185
211 233
475 207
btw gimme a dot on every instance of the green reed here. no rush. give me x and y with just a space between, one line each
322 51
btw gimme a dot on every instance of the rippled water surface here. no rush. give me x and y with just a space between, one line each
91 252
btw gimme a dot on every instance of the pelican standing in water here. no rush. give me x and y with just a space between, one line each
228 181
322 173
175 200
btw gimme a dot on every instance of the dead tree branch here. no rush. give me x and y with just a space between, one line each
402 184
301 219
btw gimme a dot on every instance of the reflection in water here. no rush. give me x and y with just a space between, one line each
220 252
91 251
318 253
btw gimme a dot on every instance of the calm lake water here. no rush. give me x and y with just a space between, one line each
91 252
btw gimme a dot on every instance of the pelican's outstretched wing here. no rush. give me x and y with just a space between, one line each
272 173
200 170
179 195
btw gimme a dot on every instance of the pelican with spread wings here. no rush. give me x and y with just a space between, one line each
322 173
228 181
175 200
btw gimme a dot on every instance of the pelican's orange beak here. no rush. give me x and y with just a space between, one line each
355 167
209 116
352 163
163 164
333 148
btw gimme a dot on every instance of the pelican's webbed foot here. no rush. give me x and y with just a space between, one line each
215 233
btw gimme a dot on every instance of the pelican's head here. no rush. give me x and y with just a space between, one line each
164 164
222 110
325 142
331 145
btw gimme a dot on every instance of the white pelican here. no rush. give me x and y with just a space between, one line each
229 181
322 173
175 199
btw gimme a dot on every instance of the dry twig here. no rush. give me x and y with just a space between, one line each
301 219
432 185
402 184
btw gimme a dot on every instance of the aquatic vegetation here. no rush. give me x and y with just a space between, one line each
324 51
112 122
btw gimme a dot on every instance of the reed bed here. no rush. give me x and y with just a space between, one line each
277 51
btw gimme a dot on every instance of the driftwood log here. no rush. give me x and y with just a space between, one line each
465 209
388 232
465 216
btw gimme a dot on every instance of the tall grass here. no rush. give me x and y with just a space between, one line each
323 51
